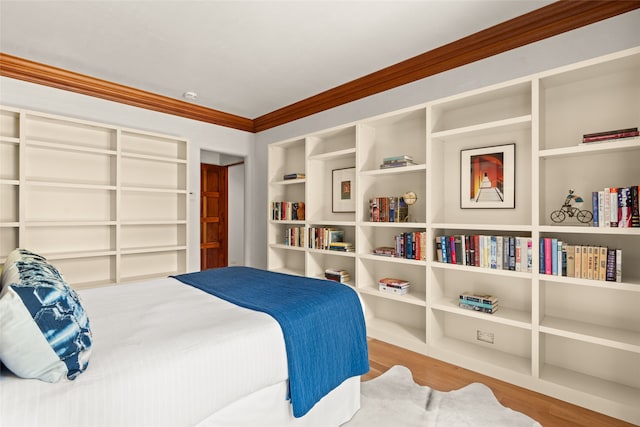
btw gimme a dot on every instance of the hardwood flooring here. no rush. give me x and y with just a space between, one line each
443 376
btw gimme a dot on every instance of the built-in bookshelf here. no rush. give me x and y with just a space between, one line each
104 204
573 338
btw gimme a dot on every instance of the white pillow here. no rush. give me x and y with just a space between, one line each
45 332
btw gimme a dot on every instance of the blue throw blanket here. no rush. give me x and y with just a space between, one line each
322 323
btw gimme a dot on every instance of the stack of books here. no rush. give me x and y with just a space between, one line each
293 176
341 246
384 251
482 303
393 285
610 135
341 276
396 162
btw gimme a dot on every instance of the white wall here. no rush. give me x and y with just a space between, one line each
611 35
201 136
237 213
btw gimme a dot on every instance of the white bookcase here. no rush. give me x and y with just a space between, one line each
102 203
574 339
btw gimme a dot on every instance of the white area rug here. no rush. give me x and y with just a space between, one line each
395 400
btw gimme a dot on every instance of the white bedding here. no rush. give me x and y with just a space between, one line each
167 354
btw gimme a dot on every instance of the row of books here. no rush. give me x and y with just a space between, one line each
610 135
287 211
324 237
388 209
559 258
337 275
295 236
409 245
478 302
616 207
397 161
494 252
393 285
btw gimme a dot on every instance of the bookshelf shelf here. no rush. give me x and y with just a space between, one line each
333 253
511 124
9 140
610 337
524 228
407 225
333 155
630 144
614 231
481 270
408 298
480 355
85 194
627 285
626 396
389 259
290 181
544 322
506 316
394 171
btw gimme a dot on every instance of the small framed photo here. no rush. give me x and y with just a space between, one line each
343 190
487 177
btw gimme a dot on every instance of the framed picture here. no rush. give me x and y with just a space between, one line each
487 177
343 190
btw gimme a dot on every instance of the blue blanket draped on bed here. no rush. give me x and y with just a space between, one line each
322 323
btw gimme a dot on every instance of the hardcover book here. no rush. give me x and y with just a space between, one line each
624 207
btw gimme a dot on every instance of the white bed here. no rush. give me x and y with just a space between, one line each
165 354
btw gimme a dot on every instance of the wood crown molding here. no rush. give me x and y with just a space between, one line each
548 21
539 24
34 72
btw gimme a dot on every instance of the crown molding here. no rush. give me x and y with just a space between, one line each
548 21
34 72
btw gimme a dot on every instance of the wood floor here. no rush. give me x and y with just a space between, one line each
445 377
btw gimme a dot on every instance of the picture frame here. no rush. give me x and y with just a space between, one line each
487 177
343 190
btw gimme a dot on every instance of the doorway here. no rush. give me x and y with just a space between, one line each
213 216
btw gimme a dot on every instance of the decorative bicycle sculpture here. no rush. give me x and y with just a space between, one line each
567 209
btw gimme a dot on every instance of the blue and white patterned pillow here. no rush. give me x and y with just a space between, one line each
45 331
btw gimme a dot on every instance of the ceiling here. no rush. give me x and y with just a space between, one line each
246 58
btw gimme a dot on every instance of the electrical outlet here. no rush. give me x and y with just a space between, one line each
484 336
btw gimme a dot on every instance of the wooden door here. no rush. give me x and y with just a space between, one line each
213 216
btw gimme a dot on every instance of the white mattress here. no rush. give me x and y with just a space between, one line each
164 354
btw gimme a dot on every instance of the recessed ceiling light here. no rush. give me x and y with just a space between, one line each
191 96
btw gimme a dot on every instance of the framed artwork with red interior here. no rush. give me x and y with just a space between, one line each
487 177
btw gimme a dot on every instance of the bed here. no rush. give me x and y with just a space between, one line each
165 353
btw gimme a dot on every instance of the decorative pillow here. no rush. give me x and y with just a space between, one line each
45 332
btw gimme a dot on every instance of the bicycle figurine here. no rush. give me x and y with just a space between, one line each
560 215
